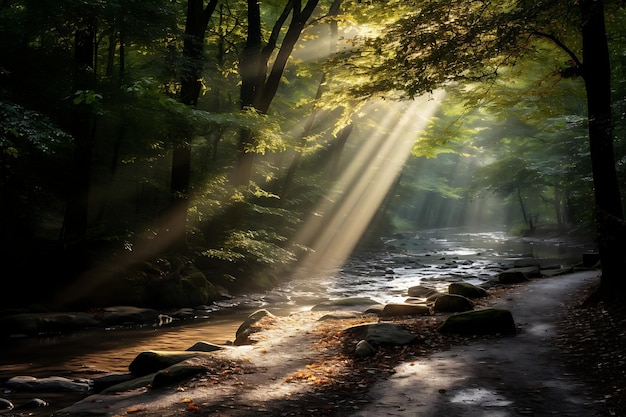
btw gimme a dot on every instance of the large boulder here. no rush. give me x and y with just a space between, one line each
421 291
382 334
177 372
467 289
480 322
452 303
128 385
404 309
102 383
376 309
152 361
242 336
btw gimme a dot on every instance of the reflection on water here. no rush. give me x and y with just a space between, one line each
434 258
107 350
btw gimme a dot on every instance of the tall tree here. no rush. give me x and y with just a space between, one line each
446 42
258 86
82 129
175 218
596 71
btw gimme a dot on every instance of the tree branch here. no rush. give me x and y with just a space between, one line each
561 45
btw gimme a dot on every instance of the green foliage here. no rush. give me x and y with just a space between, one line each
436 44
511 99
256 247
88 97
510 120
25 131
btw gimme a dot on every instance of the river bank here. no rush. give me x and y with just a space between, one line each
300 366
432 258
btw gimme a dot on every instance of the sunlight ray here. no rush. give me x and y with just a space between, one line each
365 183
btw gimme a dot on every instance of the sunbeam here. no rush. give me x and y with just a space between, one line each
335 228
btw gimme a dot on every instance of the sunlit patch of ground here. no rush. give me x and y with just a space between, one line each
298 365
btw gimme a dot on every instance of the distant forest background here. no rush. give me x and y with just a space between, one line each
154 152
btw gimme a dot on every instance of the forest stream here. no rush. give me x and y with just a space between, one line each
433 257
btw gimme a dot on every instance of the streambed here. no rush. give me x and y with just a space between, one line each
433 257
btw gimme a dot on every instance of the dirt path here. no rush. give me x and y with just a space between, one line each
522 375
289 370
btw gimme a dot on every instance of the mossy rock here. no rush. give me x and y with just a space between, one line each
172 374
452 303
131 384
421 291
467 290
152 361
399 309
177 372
242 336
480 322
382 334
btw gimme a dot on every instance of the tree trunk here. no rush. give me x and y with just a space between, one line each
76 214
527 221
597 76
174 221
250 63
558 207
111 51
299 19
252 73
257 92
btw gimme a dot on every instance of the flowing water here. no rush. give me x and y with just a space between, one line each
434 258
